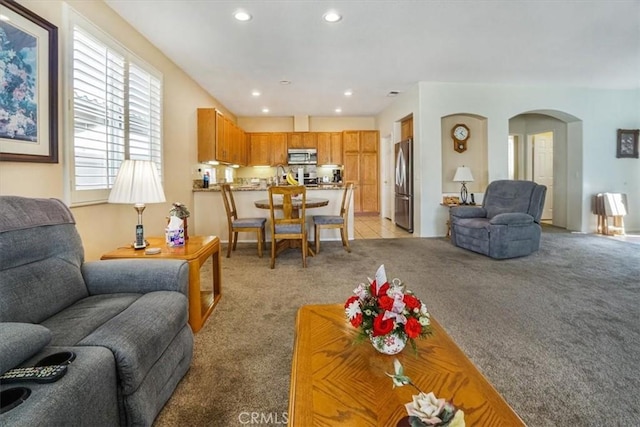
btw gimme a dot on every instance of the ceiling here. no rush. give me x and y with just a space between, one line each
382 46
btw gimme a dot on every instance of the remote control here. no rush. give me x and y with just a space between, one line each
39 374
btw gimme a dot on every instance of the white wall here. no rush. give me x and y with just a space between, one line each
591 142
104 227
388 123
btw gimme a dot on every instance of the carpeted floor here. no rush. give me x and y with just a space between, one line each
557 333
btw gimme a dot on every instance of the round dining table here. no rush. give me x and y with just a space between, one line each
310 202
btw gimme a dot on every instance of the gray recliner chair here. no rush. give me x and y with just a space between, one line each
125 321
508 223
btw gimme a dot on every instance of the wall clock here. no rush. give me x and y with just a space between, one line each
460 134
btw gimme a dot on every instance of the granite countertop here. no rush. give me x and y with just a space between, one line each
257 188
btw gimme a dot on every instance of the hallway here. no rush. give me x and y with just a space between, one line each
375 227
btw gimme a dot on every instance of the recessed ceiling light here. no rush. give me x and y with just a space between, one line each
332 16
285 82
393 93
348 92
241 15
255 93
338 110
265 110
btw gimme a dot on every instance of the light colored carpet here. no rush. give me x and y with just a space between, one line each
557 333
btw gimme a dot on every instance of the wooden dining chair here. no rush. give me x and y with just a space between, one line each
336 221
238 225
290 225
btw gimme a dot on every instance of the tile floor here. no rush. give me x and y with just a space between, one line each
375 227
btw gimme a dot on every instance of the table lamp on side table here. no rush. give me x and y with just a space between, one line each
463 175
137 182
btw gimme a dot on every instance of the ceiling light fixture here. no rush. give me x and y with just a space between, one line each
255 93
332 16
285 82
241 15
265 110
393 93
348 92
338 110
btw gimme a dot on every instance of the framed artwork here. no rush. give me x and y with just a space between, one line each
627 143
29 81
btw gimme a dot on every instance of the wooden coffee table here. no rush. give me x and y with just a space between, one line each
336 382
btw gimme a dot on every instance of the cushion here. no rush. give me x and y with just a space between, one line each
249 222
140 334
288 229
20 341
327 219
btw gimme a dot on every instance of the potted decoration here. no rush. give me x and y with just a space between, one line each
387 314
182 212
425 410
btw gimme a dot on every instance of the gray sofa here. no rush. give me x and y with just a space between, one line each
125 320
507 225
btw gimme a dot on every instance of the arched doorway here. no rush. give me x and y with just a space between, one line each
539 150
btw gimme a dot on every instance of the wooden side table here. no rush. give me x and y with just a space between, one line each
196 251
448 220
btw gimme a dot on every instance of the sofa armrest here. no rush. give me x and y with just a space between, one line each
136 276
20 341
469 212
511 218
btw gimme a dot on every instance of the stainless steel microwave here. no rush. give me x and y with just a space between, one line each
302 156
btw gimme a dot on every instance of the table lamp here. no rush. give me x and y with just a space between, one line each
137 182
463 175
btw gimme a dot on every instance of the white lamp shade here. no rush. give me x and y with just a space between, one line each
138 181
463 174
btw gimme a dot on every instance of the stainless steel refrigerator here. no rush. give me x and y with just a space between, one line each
404 185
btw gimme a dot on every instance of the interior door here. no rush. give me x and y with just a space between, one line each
543 168
388 178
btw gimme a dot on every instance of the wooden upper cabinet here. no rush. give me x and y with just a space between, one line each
222 138
238 145
329 148
206 134
406 128
369 141
278 145
267 149
351 141
302 140
259 149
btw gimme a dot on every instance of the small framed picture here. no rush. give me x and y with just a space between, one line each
627 143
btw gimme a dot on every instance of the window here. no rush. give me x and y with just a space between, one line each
116 108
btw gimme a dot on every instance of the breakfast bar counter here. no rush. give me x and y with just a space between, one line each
210 216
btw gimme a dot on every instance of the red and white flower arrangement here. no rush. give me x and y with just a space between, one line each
387 313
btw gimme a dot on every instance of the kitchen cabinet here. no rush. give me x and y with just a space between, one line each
406 128
329 148
360 154
219 139
206 134
278 149
223 139
267 148
259 149
302 140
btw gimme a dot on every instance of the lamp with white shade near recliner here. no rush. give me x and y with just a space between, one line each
137 182
463 175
